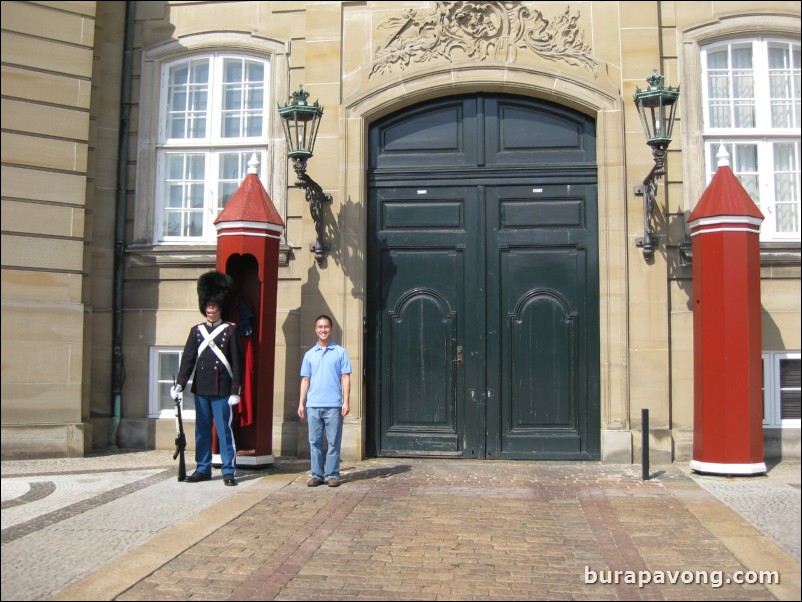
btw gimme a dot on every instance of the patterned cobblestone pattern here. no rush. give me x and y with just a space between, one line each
397 529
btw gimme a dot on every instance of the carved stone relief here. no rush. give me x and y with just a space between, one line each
482 31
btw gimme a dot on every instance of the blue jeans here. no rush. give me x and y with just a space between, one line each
206 409
330 419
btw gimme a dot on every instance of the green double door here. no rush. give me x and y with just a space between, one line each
482 322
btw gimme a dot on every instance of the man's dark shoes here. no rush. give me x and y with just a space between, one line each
197 477
314 482
229 480
333 481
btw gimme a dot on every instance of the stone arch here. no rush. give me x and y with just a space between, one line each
600 99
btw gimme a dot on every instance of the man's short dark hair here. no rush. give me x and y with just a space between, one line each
324 317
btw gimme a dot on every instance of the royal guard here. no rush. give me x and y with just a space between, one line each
214 353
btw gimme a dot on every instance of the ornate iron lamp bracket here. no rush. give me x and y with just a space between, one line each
648 242
315 197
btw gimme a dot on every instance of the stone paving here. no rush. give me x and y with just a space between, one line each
397 529
761 499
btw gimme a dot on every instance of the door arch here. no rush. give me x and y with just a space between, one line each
482 269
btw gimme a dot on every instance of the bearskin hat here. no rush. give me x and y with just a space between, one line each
215 287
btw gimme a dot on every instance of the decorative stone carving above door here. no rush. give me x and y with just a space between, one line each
483 31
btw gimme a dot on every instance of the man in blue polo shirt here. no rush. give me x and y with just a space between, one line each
325 394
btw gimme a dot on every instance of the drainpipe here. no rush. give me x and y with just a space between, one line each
117 369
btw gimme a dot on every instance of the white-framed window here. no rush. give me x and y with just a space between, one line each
213 116
751 100
781 389
164 364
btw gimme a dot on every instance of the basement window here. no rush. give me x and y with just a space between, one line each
164 364
781 389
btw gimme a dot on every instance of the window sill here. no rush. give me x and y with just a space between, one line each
183 256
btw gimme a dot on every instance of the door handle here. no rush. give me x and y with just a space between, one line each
460 357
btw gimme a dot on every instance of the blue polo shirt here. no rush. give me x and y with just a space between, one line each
325 368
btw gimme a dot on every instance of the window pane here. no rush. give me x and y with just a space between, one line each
175 196
783 90
745 158
184 193
165 401
720 115
168 362
718 83
797 79
178 100
232 125
232 99
233 71
188 87
744 164
168 366
742 56
254 124
175 167
178 127
255 99
746 168
227 190
233 169
743 89
195 195
744 114
786 187
256 71
717 59
731 87
200 72
243 98
230 166
172 223
197 167
196 224
179 75
790 388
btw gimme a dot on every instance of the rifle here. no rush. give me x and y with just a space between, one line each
180 439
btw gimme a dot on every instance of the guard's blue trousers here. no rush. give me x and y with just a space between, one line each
206 409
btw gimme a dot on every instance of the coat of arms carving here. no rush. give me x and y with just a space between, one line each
482 31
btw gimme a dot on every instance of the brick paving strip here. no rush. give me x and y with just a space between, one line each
285 563
616 546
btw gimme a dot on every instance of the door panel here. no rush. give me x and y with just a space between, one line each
419 345
520 131
483 326
424 276
538 320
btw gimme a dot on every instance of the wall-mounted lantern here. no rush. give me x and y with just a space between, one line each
301 121
657 107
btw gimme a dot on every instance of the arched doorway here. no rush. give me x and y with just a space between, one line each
482 281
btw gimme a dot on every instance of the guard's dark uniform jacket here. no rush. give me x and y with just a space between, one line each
211 375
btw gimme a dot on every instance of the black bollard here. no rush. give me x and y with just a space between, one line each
644 420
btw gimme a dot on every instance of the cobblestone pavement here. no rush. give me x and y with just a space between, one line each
761 499
120 526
